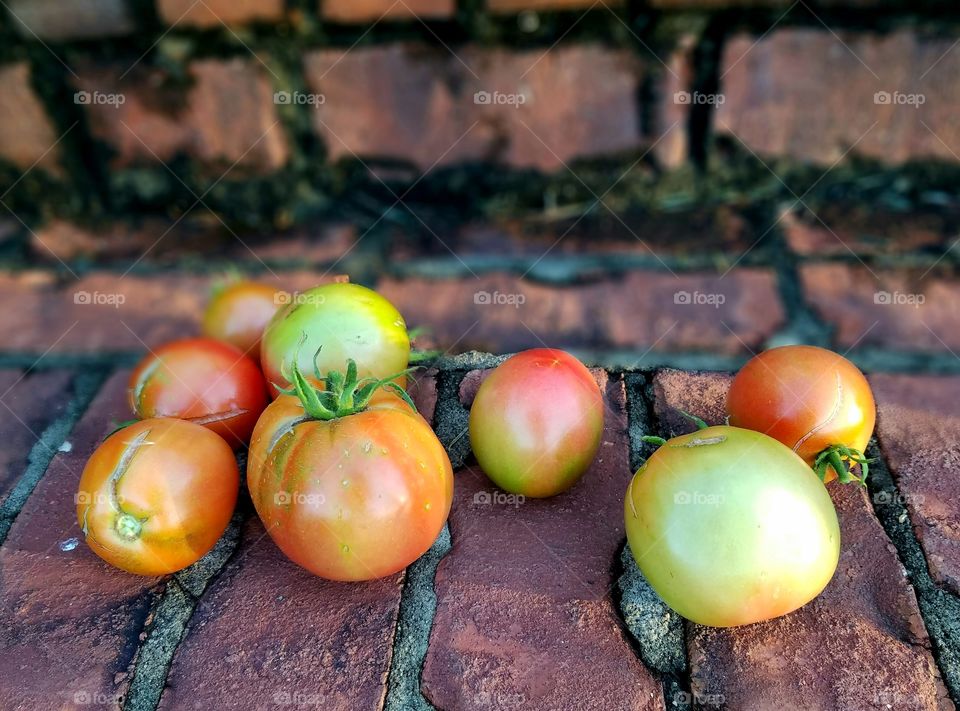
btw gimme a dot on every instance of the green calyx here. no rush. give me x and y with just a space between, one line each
660 441
342 394
841 459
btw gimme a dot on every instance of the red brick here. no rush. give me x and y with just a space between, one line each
511 6
918 425
27 135
868 612
228 116
68 621
846 229
778 103
57 21
28 403
348 11
286 636
634 234
636 312
416 103
672 147
847 297
526 588
82 316
234 117
216 13
423 391
702 395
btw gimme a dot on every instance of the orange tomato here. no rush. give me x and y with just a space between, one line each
208 382
157 495
238 313
808 398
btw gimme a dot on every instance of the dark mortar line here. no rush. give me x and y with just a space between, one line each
803 324
85 386
37 362
411 639
418 598
173 613
669 664
707 56
939 609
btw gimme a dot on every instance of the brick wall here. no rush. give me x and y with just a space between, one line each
274 111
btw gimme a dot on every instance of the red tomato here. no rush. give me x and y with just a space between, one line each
536 423
208 382
354 493
811 400
238 313
157 495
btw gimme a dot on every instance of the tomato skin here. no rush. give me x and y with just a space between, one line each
199 379
356 498
730 527
238 313
180 483
343 321
806 397
536 422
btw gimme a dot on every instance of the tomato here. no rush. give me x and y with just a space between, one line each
208 382
536 423
810 399
338 321
351 487
238 313
730 527
157 495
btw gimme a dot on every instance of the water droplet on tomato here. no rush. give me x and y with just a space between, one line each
345 548
345 482
426 506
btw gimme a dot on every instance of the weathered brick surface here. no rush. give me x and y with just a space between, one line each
69 623
215 13
227 117
503 313
27 135
75 20
845 230
651 236
523 597
233 114
812 95
868 612
421 104
28 403
883 308
510 6
268 634
104 312
918 425
350 11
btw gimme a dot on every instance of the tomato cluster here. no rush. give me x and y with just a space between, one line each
730 524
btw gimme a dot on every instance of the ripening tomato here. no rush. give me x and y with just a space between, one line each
810 399
536 423
350 489
208 382
730 527
157 495
238 313
335 322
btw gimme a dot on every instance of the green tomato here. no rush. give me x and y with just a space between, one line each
335 322
536 423
730 527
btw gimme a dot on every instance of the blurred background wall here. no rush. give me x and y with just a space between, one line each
674 181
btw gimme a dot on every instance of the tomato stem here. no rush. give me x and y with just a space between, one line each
342 394
128 527
842 459
652 439
701 424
